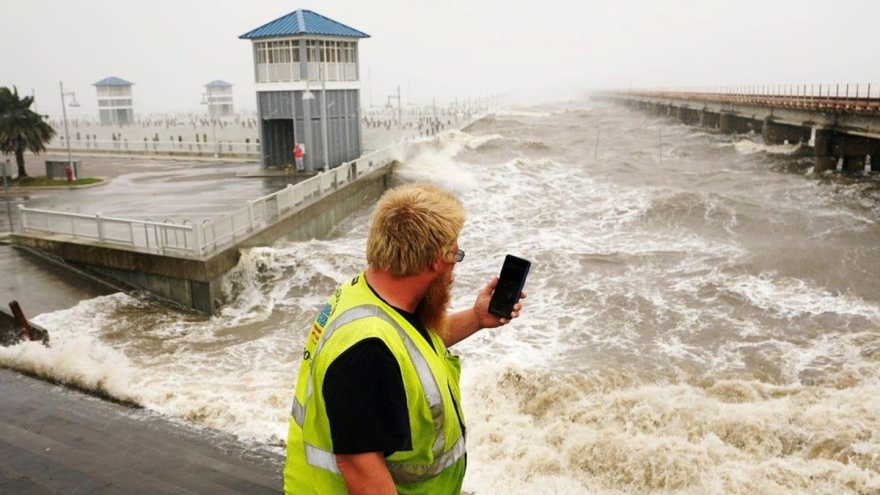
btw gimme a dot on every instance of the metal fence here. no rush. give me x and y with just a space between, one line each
194 240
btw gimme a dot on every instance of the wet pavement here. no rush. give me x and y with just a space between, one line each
58 441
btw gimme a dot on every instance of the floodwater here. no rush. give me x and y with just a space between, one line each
702 314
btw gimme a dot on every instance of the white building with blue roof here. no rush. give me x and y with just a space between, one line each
218 97
308 90
115 102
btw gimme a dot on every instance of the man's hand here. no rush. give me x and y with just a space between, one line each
467 322
485 319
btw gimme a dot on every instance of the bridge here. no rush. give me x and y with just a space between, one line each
841 122
185 263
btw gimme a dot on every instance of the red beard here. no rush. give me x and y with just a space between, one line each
432 310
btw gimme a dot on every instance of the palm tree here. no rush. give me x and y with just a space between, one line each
21 129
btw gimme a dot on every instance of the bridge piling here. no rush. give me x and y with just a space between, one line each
725 122
823 150
852 151
776 133
854 163
709 119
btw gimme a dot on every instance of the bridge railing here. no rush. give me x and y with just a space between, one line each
840 98
191 239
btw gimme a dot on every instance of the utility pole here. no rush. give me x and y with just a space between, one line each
73 103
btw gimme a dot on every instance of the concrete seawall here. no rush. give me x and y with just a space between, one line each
196 283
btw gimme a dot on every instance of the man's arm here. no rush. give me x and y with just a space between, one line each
467 322
366 474
367 412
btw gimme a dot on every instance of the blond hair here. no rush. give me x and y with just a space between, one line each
411 226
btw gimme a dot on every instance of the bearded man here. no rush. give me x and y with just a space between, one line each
377 406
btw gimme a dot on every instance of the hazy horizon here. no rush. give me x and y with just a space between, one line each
523 51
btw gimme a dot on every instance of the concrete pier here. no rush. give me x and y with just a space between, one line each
838 132
196 282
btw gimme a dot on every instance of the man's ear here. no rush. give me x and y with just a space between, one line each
437 264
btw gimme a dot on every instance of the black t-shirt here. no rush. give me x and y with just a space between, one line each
365 398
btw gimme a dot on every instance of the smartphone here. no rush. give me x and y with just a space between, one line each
510 284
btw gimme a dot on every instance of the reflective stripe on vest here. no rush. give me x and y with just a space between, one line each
400 472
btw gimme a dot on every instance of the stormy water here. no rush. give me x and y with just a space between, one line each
702 314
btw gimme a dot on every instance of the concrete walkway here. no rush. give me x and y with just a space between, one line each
57 441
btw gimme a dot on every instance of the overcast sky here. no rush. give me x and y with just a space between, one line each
443 49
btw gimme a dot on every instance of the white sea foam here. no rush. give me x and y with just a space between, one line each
790 298
476 141
523 113
748 147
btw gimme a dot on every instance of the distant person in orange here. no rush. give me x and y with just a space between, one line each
298 152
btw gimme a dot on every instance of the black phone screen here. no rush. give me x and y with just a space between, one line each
510 284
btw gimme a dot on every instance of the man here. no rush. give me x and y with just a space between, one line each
298 153
377 407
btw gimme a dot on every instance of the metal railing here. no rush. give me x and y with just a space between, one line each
193 240
838 98
161 147
150 235
291 72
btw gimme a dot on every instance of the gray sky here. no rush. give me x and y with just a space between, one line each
548 50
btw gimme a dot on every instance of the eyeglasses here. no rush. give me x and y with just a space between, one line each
459 255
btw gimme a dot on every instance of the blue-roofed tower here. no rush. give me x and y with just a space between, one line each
218 97
304 54
115 103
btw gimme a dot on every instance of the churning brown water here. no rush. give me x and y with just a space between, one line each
702 314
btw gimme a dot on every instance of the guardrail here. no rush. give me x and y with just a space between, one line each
838 98
193 240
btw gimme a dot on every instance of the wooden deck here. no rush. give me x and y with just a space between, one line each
57 441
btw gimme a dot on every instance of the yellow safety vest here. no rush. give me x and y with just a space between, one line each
436 465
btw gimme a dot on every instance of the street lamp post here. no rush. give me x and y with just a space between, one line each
310 97
208 100
73 104
399 120
324 118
